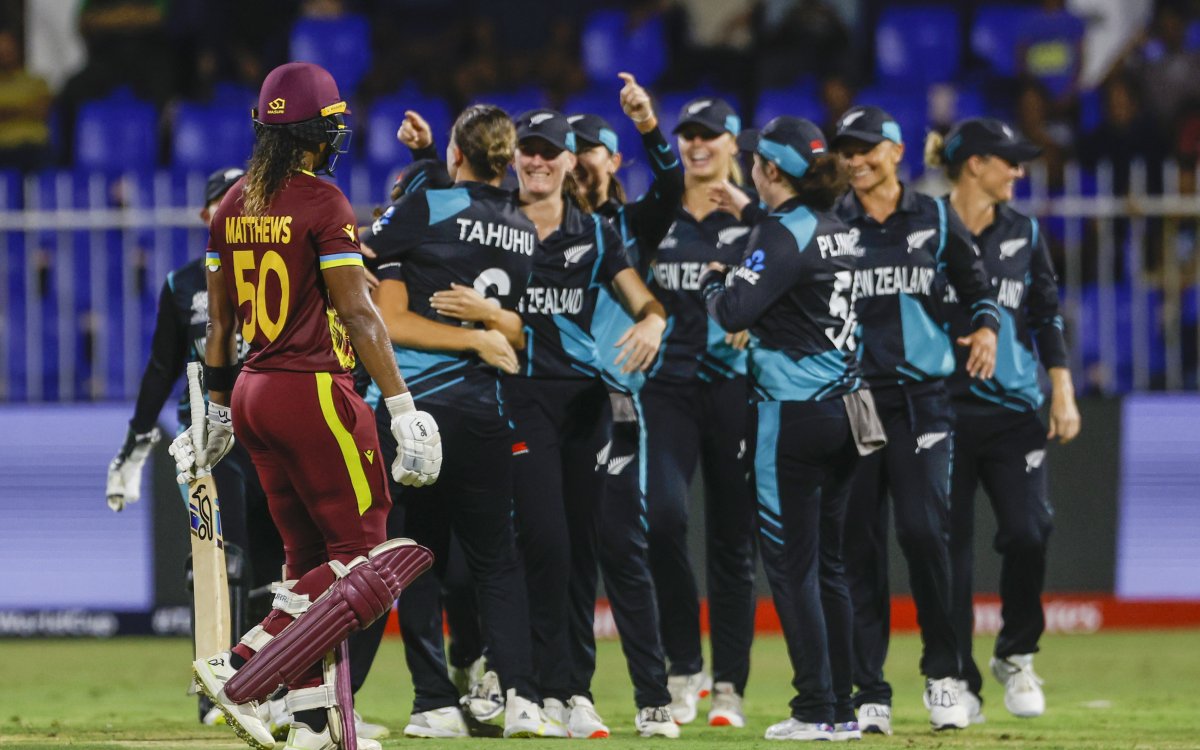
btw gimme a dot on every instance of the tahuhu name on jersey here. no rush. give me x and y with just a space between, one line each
793 292
472 234
1019 268
899 283
272 268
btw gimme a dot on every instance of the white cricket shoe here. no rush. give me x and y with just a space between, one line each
300 737
523 717
584 722
726 708
794 729
485 701
275 714
554 714
946 711
657 721
214 717
685 694
368 731
1023 694
211 674
875 718
845 731
464 678
972 702
438 723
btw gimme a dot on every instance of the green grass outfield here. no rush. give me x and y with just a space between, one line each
1119 690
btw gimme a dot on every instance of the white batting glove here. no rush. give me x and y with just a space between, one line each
124 484
184 454
418 443
220 436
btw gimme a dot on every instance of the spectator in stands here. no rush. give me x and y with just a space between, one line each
1125 135
1050 51
24 108
1053 135
1166 68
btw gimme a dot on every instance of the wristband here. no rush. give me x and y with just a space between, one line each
401 403
221 378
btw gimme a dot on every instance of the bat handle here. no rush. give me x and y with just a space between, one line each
196 402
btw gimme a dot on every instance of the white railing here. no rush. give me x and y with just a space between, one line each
82 267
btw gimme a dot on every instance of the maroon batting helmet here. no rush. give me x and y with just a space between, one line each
303 98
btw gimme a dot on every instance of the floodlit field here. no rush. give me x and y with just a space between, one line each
1126 690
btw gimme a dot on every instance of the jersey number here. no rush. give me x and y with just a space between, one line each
253 290
495 281
840 307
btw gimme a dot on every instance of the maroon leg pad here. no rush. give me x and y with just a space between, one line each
345 697
351 603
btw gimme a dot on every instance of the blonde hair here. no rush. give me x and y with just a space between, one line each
487 138
935 156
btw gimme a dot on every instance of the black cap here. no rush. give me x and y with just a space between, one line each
547 124
594 130
747 140
219 183
986 136
867 124
790 143
711 113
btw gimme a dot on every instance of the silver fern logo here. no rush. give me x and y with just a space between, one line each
1033 460
917 239
729 235
1009 248
928 440
618 464
572 255
602 455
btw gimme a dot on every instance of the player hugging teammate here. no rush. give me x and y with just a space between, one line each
818 345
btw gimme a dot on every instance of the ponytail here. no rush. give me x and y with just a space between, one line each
935 156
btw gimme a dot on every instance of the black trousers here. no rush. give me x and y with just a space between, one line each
1004 450
563 456
914 469
618 541
707 423
473 499
804 460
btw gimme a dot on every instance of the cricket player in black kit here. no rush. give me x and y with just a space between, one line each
473 236
793 292
999 438
621 463
560 403
696 410
908 240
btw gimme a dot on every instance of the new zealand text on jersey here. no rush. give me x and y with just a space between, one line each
496 235
240 230
676 276
888 280
552 301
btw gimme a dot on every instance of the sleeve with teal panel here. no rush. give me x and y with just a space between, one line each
399 229
335 234
770 267
610 320
1041 306
652 214
963 265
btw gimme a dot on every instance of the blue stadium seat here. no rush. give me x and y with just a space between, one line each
609 47
210 136
798 101
383 119
117 133
994 32
919 44
341 45
514 102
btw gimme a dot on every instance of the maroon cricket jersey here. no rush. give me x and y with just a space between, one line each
272 268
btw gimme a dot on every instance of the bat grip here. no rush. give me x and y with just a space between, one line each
196 402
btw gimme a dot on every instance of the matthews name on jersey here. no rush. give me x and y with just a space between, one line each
793 292
272 268
474 235
899 282
569 269
694 345
1018 265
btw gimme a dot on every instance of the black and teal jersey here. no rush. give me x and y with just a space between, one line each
792 291
1019 268
641 223
900 281
570 267
694 345
472 234
179 335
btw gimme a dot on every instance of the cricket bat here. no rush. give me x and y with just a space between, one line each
210 585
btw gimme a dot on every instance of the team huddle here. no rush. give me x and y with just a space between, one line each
547 362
